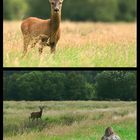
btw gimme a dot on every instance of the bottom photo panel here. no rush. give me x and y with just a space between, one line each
69 104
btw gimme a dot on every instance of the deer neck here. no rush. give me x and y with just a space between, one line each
55 22
41 112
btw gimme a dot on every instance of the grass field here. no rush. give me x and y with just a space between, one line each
69 120
81 45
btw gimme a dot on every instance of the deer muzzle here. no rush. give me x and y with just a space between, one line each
56 7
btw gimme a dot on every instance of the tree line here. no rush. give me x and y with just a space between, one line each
76 10
69 85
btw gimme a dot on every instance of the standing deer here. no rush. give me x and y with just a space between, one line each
45 31
36 115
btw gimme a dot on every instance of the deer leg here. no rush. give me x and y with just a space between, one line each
42 44
40 50
32 119
53 46
34 43
53 50
26 40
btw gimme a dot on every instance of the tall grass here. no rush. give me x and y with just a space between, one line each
81 45
69 120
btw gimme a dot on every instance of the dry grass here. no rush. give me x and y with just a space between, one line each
81 44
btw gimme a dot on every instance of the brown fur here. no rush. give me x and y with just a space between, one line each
45 31
108 132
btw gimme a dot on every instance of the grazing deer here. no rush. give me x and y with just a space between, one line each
36 115
45 31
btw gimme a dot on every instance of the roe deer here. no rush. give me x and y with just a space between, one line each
46 31
36 115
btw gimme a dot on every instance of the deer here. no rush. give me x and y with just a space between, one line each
36 115
46 32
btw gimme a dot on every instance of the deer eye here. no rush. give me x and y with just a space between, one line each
52 3
60 2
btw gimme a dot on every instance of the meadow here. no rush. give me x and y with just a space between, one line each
69 120
82 44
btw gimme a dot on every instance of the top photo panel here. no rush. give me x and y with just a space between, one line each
69 33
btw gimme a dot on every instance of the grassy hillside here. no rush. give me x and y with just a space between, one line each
69 120
81 44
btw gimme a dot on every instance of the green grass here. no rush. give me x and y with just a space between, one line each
81 45
69 120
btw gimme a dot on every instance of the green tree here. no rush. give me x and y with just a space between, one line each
14 9
54 85
127 10
11 88
116 85
69 85
105 10
90 91
75 86
39 8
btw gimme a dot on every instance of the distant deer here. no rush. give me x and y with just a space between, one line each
46 31
36 115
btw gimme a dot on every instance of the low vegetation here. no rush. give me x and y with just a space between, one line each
81 44
69 120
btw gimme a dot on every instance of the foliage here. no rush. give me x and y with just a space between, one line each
127 10
39 8
70 85
79 10
116 85
15 9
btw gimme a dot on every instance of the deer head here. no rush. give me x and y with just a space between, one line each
41 108
56 6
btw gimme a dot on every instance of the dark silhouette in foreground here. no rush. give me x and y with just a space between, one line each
110 135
